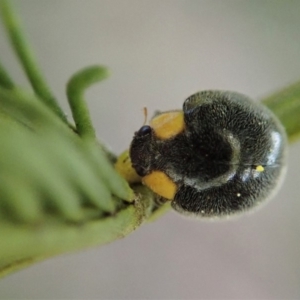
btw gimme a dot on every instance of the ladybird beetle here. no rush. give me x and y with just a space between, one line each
221 155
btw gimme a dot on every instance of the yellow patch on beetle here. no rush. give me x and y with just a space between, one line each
160 184
260 168
124 168
168 124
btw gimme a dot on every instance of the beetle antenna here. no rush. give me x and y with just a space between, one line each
145 115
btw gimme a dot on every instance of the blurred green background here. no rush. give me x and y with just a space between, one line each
160 52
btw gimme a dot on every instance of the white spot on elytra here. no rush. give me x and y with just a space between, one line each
238 194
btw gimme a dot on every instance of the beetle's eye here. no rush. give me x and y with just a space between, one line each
140 171
144 130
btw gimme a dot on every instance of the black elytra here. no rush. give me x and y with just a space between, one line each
229 158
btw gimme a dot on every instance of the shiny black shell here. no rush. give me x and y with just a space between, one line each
214 160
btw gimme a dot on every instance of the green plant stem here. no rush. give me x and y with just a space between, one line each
5 80
26 245
26 57
285 104
76 87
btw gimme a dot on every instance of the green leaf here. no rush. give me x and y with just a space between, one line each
75 90
5 80
285 104
58 192
27 59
